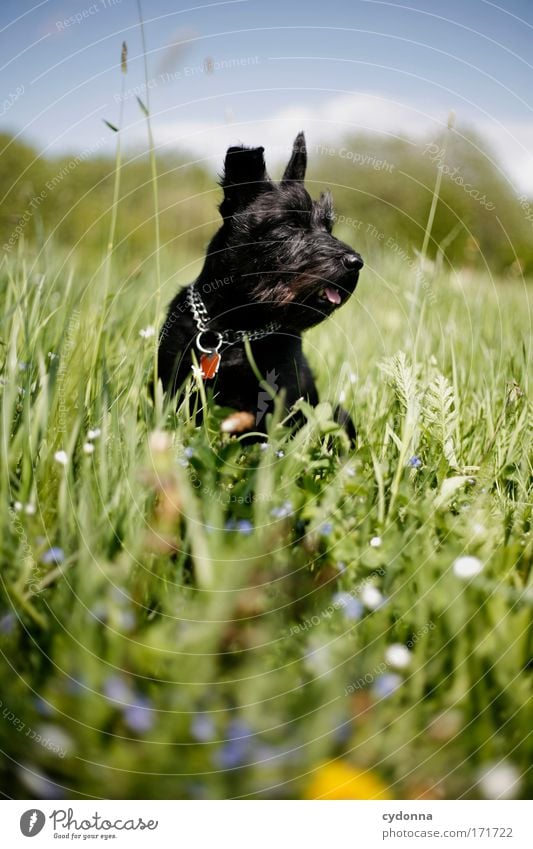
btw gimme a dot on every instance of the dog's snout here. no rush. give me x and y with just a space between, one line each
352 261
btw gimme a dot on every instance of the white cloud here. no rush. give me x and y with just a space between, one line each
330 121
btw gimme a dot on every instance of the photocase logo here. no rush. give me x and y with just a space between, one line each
264 399
32 822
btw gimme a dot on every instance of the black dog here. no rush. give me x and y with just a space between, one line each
271 271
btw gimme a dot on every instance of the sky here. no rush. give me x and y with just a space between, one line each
257 71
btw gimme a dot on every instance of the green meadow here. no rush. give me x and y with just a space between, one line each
185 615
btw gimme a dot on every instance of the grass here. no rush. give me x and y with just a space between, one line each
183 616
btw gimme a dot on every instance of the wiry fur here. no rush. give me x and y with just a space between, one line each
269 261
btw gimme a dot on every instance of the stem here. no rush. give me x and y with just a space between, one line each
112 226
153 166
431 217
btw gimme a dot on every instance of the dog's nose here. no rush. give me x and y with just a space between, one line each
353 262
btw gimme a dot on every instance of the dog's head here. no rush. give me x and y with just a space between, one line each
276 243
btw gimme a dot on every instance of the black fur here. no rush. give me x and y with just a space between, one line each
270 261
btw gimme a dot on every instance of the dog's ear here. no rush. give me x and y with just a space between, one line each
244 177
295 170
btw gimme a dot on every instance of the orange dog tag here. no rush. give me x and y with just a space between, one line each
209 364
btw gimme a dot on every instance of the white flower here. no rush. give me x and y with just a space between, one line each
55 740
371 597
94 434
375 542
29 509
88 448
353 377
146 332
17 506
159 441
197 372
467 567
398 656
61 457
342 396
499 781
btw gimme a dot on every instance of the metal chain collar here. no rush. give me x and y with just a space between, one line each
227 337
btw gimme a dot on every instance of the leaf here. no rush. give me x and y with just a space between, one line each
143 107
110 125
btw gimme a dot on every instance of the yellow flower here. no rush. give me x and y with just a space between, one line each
338 780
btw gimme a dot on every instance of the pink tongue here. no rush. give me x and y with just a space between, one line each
332 295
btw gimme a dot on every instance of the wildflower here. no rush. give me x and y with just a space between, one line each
93 434
39 785
53 555
30 509
445 725
371 597
244 526
18 506
43 707
398 656
88 448
283 511
197 372
467 567
159 441
117 689
326 529
202 728
7 623
147 332
55 739
280 453
235 750
318 658
415 462
375 542
264 446
139 716
500 781
339 780
386 685
351 607
61 457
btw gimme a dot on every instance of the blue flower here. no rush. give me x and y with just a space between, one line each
7 623
53 555
43 707
415 462
117 689
139 716
351 607
283 511
326 529
386 685
244 526
235 750
203 728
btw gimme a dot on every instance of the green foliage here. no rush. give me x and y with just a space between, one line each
170 617
383 189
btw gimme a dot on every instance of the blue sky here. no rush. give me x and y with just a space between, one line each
256 71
